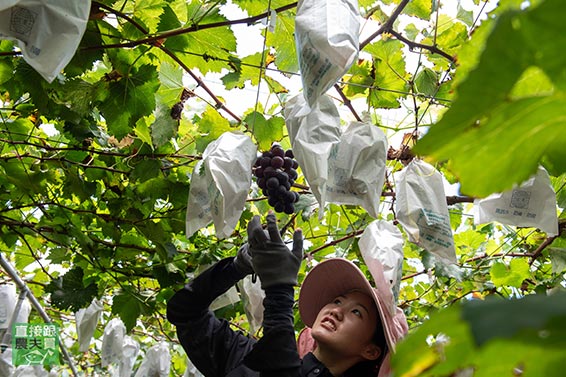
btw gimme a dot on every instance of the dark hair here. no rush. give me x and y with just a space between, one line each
370 368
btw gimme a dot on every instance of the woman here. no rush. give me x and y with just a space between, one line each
354 326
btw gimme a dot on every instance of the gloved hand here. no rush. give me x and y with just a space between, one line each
243 260
272 261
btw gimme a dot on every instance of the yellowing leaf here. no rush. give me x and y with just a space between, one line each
512 275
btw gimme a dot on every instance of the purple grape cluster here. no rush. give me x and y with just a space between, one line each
276 171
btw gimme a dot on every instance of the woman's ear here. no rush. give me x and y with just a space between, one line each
371 352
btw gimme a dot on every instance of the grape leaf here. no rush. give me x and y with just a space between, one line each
129 306
210 126
209 49
512 275
146 169
6 70
164 127
245 69
68 291
495 318
427 82
283 41
465 16
390 74
255 7
171 80
358 78
419 8
493 337
264 130
479 111
129 99
558 259
149 11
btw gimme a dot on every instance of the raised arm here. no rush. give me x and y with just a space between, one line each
275 355
210 343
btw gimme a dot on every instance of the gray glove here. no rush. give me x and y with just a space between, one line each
272 261
243 260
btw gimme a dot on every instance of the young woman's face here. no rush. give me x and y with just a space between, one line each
347 324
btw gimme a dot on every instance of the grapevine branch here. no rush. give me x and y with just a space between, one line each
538 252
155 40
414 45
50 148
387 26
159 37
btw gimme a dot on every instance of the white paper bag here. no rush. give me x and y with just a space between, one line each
47 31
252 298
327 41
229 297
220 184
422 210
30 371
156 363
381 242
130 352
531 204
6 367
113 342
8 301
356 167
313 134
86 321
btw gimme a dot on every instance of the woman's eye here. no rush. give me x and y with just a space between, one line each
337 301
357 312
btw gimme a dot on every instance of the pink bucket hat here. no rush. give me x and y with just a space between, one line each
334 277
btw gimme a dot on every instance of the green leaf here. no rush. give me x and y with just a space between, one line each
211 125
439 346
498 318
264 130
206 49
470 240
244 70
419 8
84 58
6 70
173 17
283 41
512 275
130 98
514 45
390 74
411 31
467 17
254 7
19 129
59 255
146 169
69 293
427 82
143 132
164 127
79 96
167 278
511 128
149 12
492 337
129 306
359 78
558 259
171 79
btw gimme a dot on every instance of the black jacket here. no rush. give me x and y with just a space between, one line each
218 351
